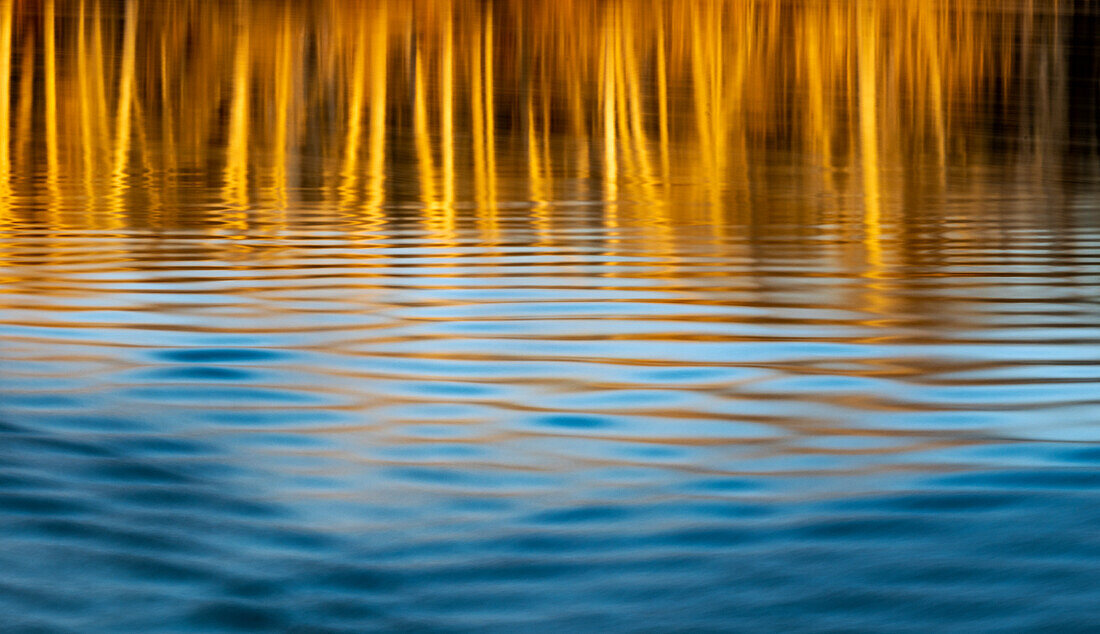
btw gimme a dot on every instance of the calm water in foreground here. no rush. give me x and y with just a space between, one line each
571 316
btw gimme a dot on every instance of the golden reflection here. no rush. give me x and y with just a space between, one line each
377 146
607 72
5 103
868 132
87 138
237 146
488 59
120 170
350 171
23 132
869 151
447 124
676 105
49 29
284 73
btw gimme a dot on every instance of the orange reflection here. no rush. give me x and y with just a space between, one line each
674 104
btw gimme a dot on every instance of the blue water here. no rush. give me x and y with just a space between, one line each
204 450
781 406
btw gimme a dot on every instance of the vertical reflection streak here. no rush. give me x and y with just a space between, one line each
422 133
283 75
868 133
488 58
662 102
349 173
87 136
538 170
639 139
25 106
236 153
700 79
867 36
5 105
117 203
486 211
820 136
607 75
446 107
484 131
99 85
167 117
875 82
49 30
928 27
376 160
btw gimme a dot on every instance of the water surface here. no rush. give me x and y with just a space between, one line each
575 316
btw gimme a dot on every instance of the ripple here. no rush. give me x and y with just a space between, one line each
742 359
219 355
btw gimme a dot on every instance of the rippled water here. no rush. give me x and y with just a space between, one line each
696 316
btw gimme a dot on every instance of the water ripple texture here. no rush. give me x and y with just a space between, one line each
667 315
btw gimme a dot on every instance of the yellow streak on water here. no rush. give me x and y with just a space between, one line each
49 28
425 161
236 161
377 143
660 133
350 171
123 122
868 135
670 104
5 105
447 124
26 103
284 74
87 136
